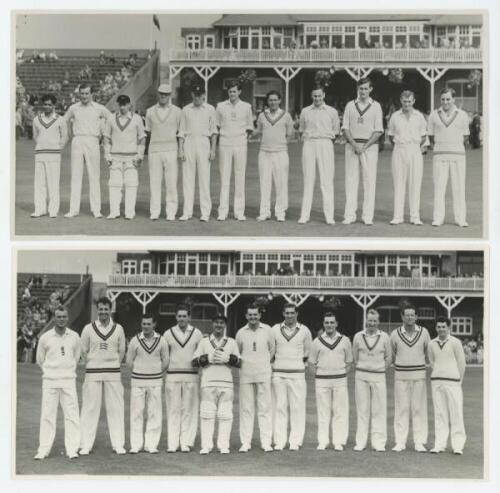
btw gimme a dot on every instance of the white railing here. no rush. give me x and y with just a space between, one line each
298 282
370 55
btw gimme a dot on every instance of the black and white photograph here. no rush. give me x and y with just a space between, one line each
251 363
332 124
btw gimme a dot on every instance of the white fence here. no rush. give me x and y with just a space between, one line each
298 282
343 55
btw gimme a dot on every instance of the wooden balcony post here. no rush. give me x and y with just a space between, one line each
449 302
432 74
287 74
364 301
206 73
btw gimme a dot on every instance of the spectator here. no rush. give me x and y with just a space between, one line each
53 57
102 58
45 281
19 123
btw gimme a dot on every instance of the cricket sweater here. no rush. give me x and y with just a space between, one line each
409 354
181 347
124 134
164 126
148 356
275 130
448 131
50 134
372 355
447 359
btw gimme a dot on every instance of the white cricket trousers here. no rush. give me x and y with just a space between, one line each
453 165
368 163
332 404
197 152
407 168
273 167
410 398
85 151
51 397
216 402
163 164
47 176
140 398
371 405
289 396
91 409
318 152
228 155
123 173
252 394
183 402
448 403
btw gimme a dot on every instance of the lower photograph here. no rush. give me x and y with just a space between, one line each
251 363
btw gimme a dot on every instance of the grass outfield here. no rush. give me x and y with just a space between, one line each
85 224
306 462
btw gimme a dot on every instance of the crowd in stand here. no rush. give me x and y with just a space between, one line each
474 349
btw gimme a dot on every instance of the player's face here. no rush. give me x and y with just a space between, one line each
273 102
233 94
330 324
447 100
442 330
219 327
85 95
163 98
61 318
147 326
409 317
364 90
253 316
48 106
124 108
407 103
290 315
318 97
198 99
103 312
182 318
372 321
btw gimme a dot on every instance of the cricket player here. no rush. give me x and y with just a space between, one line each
407 131
58 354
124 140
256 348
197 146
50 135
372 355
147 357
319 124
235 122
103 348
447 359
162 122
215 355
293 345
409 347
275 126
448 130
362 126
87 120
331 355
182 382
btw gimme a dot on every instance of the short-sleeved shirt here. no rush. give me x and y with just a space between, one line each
87 120
198 121
362 121
275 130
448 131
163 123
319 122
234 120
407 129
124 132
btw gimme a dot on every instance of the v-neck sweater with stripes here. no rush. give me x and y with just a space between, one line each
147 366
409 354
181 347
447 359
372 355
330 356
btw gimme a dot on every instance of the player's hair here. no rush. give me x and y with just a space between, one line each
444 90
61 308
233 83
85 85
290 305
318 87
49 97
182 308
408 306
364 80
329 314
446 320
273 93
372 311
150 315
407 94
104 300
253 306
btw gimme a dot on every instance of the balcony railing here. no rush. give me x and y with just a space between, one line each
340 55
297 282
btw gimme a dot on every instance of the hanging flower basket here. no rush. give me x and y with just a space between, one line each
323 78
247 76
475 77
396 75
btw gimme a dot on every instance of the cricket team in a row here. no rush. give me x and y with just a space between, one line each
196 372
191 135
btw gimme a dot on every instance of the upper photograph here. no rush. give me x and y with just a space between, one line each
249 125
